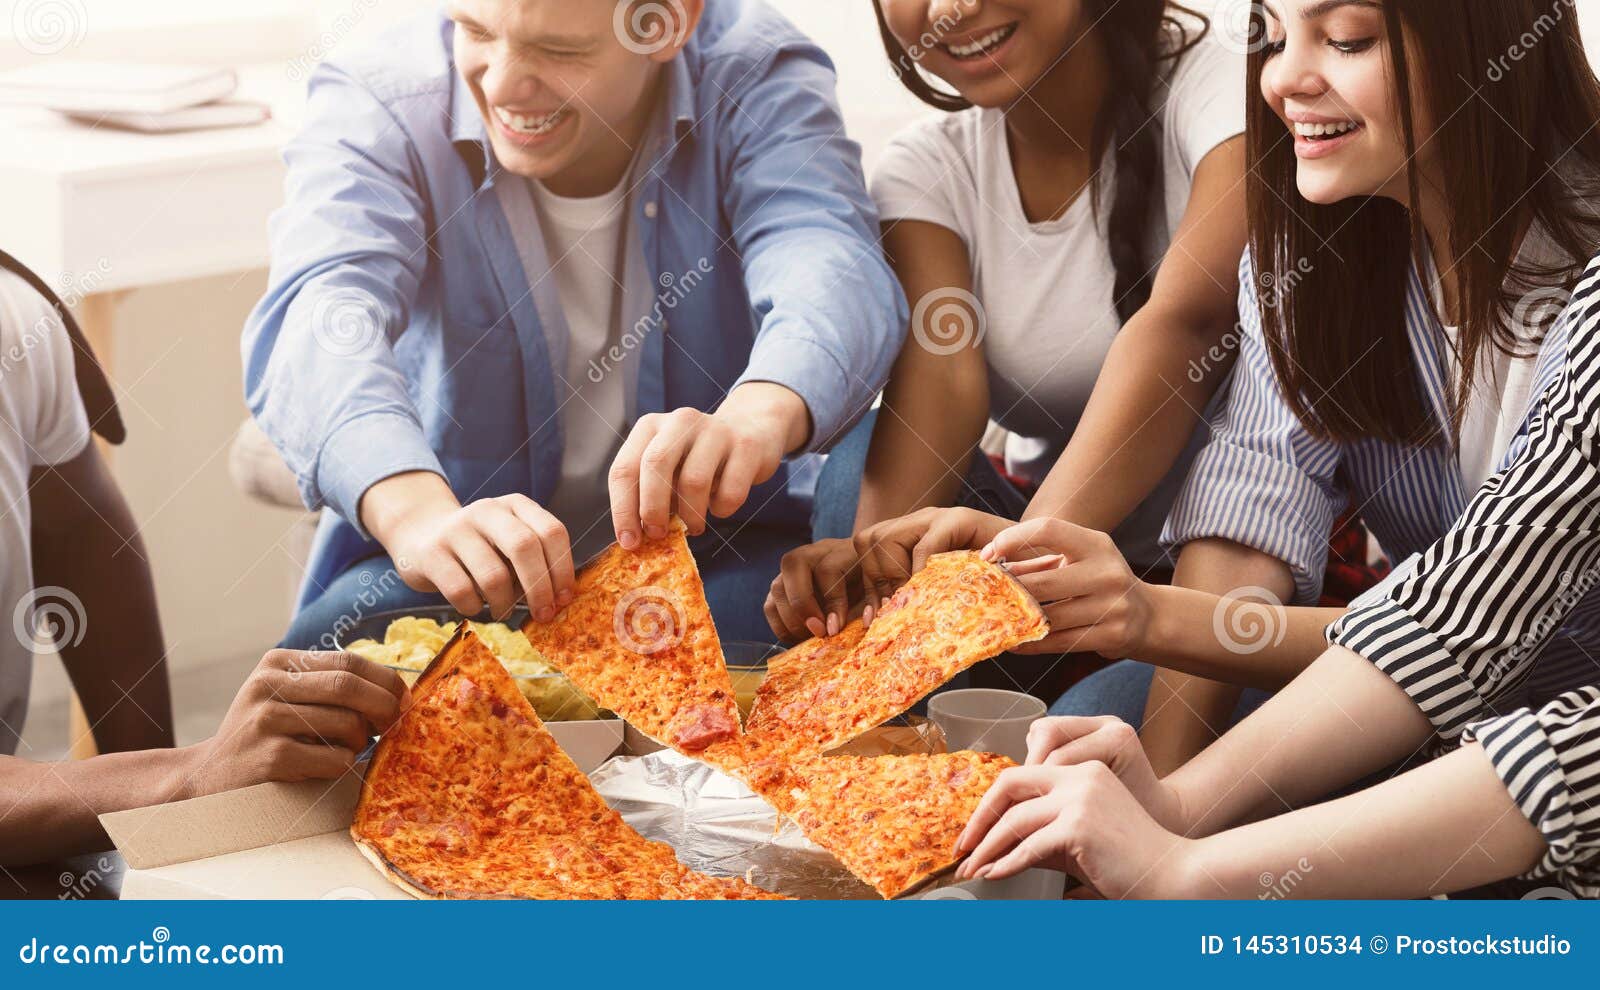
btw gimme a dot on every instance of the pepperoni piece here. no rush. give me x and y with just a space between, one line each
701 726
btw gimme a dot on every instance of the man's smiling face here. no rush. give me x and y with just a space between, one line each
562 97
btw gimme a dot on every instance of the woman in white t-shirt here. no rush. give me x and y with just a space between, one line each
1076 216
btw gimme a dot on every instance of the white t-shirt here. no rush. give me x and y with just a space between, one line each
1496 406
42 422
585 241
1499 401
1047 289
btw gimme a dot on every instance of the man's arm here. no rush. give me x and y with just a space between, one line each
57 804
85 540
300 716
348 253
832 314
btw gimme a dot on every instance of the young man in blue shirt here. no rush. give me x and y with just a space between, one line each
551 271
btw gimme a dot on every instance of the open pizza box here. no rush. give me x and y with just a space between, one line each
292 841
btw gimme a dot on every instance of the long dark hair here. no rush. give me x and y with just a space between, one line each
1512 138
1138 37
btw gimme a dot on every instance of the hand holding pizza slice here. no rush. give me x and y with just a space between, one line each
959 610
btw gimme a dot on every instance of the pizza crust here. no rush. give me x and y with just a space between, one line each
390 872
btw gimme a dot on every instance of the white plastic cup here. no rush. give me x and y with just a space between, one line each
985 720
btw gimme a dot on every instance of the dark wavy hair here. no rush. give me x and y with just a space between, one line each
1139 39
1517 147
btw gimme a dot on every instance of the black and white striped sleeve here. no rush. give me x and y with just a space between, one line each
1550 762
1464 631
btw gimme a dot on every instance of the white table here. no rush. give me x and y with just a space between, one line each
99 212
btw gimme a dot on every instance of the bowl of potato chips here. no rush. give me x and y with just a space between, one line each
408 639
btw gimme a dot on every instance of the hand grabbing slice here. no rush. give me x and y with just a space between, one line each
957 611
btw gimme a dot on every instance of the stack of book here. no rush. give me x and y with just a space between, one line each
139 97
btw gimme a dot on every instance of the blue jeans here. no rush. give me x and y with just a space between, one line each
1122 690
833 513
737 568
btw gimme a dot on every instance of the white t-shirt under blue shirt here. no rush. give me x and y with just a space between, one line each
1047 289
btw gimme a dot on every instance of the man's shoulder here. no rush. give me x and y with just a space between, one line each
409 60
737 36
27 319
35 351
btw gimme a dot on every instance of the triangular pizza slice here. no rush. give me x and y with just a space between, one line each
958 610
789 673
470 796
638 638
892 821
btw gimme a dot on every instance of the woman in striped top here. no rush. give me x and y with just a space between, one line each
1415 193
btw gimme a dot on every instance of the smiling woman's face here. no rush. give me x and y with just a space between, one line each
990 51
1327 76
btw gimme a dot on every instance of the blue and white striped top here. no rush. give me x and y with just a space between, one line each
1265 482
1502 608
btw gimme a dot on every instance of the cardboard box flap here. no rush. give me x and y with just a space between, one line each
272 814
249 818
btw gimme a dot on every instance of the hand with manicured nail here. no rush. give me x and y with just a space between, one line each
894 550
1083 821
1065 741
815 591
695 464
1094 601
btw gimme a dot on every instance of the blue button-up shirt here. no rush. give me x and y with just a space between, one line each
401 331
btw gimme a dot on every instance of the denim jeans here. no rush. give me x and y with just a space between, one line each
833 513
737 567
1122 690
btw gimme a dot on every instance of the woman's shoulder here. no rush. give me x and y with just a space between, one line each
945 152
946 135
1203 56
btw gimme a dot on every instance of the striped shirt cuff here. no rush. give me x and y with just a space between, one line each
1234 493
1547 761
1400 646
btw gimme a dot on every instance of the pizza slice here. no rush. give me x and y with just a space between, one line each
638 638
958 610
469 796
789 672
892 821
